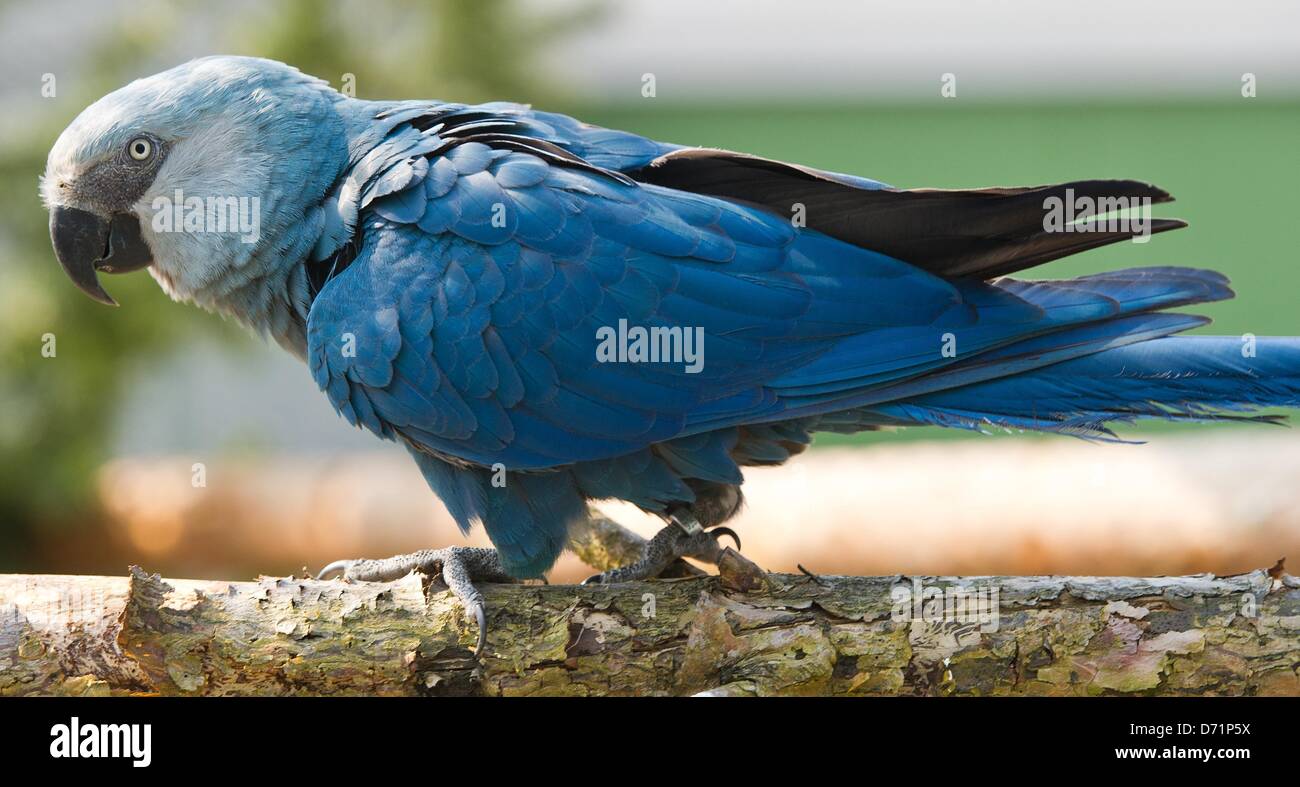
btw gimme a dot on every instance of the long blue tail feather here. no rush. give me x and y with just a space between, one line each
1200 378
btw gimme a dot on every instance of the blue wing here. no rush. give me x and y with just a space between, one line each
470 320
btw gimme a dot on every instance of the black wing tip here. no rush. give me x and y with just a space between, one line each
1113 187
1141 188
1165 225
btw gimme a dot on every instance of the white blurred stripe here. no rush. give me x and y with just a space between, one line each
997 48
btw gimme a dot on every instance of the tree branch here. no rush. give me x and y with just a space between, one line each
742 632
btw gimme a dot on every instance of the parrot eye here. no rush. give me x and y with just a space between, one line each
140 148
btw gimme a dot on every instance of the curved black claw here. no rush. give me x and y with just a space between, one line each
594 579
718 532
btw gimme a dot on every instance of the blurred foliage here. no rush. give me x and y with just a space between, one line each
57 410
454 50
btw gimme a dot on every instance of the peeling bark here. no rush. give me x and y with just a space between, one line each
741 633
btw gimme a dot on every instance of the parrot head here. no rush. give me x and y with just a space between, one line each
132 182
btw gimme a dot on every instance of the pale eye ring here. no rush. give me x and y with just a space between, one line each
139 148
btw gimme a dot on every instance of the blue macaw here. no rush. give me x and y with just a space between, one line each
457 279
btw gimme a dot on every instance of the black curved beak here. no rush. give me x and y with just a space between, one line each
86 243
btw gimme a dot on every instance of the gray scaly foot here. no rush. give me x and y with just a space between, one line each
683 537
459 568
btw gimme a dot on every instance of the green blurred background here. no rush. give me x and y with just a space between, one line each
1230 161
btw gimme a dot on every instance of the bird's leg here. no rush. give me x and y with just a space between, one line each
684 536
459 568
